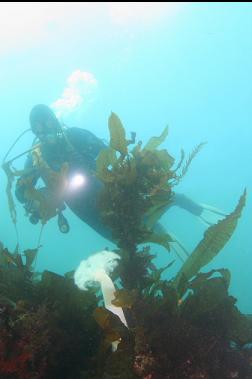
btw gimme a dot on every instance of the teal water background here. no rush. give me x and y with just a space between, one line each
187 65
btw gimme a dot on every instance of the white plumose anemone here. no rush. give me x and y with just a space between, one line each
95 270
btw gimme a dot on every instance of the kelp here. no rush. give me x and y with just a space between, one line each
105 161
55 182
135 187
11 174
16 273
209 302
30 256
125 298
182 157
118 140
47 328
134 269
175 323
10 179
113 329
201 335
183 327
156 284
119 363
162 239
45 208
215 238
188 162
8 258
55 330
154 142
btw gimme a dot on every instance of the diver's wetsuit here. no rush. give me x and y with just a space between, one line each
80 154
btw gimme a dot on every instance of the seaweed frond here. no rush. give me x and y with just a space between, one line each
188 162
215 238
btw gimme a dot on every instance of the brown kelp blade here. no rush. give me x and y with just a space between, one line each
118 140
215 238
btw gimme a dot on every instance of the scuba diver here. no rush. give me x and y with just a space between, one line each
58 145
78 149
